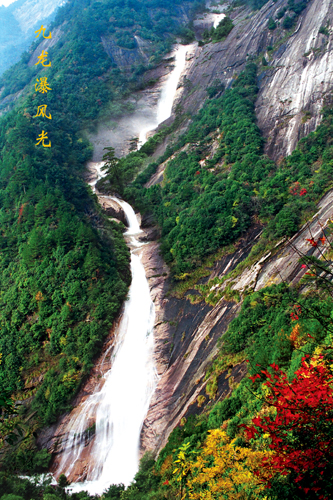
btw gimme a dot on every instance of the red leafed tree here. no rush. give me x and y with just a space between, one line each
301 433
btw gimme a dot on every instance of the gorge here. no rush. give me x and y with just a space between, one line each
137 314
96 458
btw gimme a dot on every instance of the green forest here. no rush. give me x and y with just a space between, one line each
201 208
65 266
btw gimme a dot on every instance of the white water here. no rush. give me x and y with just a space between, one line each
217 19
164 106
120 405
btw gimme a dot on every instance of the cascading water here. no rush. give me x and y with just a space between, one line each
218 19
119 407
164 106
120 403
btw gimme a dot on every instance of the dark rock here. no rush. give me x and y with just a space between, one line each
151 234
147 220
112 209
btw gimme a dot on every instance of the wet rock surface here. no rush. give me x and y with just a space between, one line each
53 437
186 336
112 209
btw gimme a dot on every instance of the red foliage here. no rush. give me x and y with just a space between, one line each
315 243
295 315
294 188
312 242
301 433
21 212
197 172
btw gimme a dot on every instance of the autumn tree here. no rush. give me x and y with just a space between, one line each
224 470
301 431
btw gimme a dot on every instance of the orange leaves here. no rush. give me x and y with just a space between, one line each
39 296
21 212
314 243
295 336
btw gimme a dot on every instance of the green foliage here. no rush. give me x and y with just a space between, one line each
223 411
204 206
65 270
222 30
263 314
281 13
324 30
288 22
194 431
113 170
80 64
216 88
56 267
271 24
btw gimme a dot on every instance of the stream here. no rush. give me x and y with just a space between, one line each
112 417
119 407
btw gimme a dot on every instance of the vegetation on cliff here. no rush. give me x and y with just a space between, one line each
207 202
65 269
272 436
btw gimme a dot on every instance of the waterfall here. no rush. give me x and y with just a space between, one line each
217 19
165 103
119 407
115 412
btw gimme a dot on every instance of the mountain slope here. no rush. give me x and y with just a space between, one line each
294 84
18 24
65 268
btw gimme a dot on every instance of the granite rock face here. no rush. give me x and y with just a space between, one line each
292 88
186 334
292 93
18 24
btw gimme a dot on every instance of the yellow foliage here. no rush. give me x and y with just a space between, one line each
200 400
224 470
70 378
166 465
39 296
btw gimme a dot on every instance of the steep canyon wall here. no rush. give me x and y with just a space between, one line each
292 90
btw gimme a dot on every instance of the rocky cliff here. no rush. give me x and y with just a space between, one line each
18 24
293 86
292 90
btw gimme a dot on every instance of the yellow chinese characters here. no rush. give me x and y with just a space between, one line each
42 59
42 29
42 85
41 111
41 139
